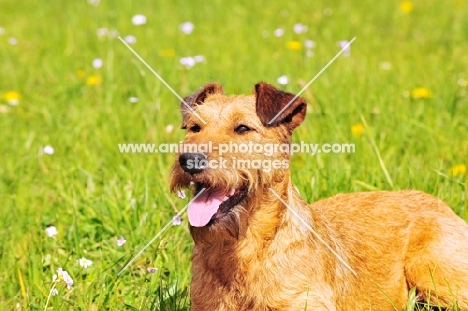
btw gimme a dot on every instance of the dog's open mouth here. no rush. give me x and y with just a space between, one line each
213 204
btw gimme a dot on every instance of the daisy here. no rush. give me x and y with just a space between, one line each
48 150
63 276
169 128
133 100
13 41
113 33
283 80
199 58
84 263
152 270
97 63
300 28
121 241
342 44
102 32
188 61
187 28
181 194
4 109
130 39
138 20
279 32
310 44
51 231
176 220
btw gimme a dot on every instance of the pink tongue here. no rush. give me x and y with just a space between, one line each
204 207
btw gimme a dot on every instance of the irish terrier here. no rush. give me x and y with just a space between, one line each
260 246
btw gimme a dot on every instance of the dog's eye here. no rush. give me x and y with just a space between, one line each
241 129
195 129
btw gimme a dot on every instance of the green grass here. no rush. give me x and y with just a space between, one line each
93 194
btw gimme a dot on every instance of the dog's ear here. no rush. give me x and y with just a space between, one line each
275 107
198 98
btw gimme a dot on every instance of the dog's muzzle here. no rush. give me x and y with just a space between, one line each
193 163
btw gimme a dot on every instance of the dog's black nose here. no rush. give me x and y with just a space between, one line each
193 163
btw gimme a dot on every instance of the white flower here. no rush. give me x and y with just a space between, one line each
121 241
152 270
186 27
2 31
188 61
113 33
101 32
309 53
54 291
138 20
462 82
176 220
97 63
283 80
133 100
63 275
385 66
48 150
342 44
51 231
13 41
199 58
278 32
94 2
181 194
169 128
130 39
309 44
300 28
84 263
4 109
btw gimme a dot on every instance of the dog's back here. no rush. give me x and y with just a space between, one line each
396 241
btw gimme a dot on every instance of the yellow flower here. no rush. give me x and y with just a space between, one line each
94 79
458 169
406 6
358 129
167 52
294 45
12 97
80 73
420 92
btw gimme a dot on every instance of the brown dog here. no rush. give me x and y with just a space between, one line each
260 246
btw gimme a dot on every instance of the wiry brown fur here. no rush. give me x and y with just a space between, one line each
261 257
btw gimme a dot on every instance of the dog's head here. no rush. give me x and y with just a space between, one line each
235 148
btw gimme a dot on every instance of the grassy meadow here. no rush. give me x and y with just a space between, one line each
400 96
